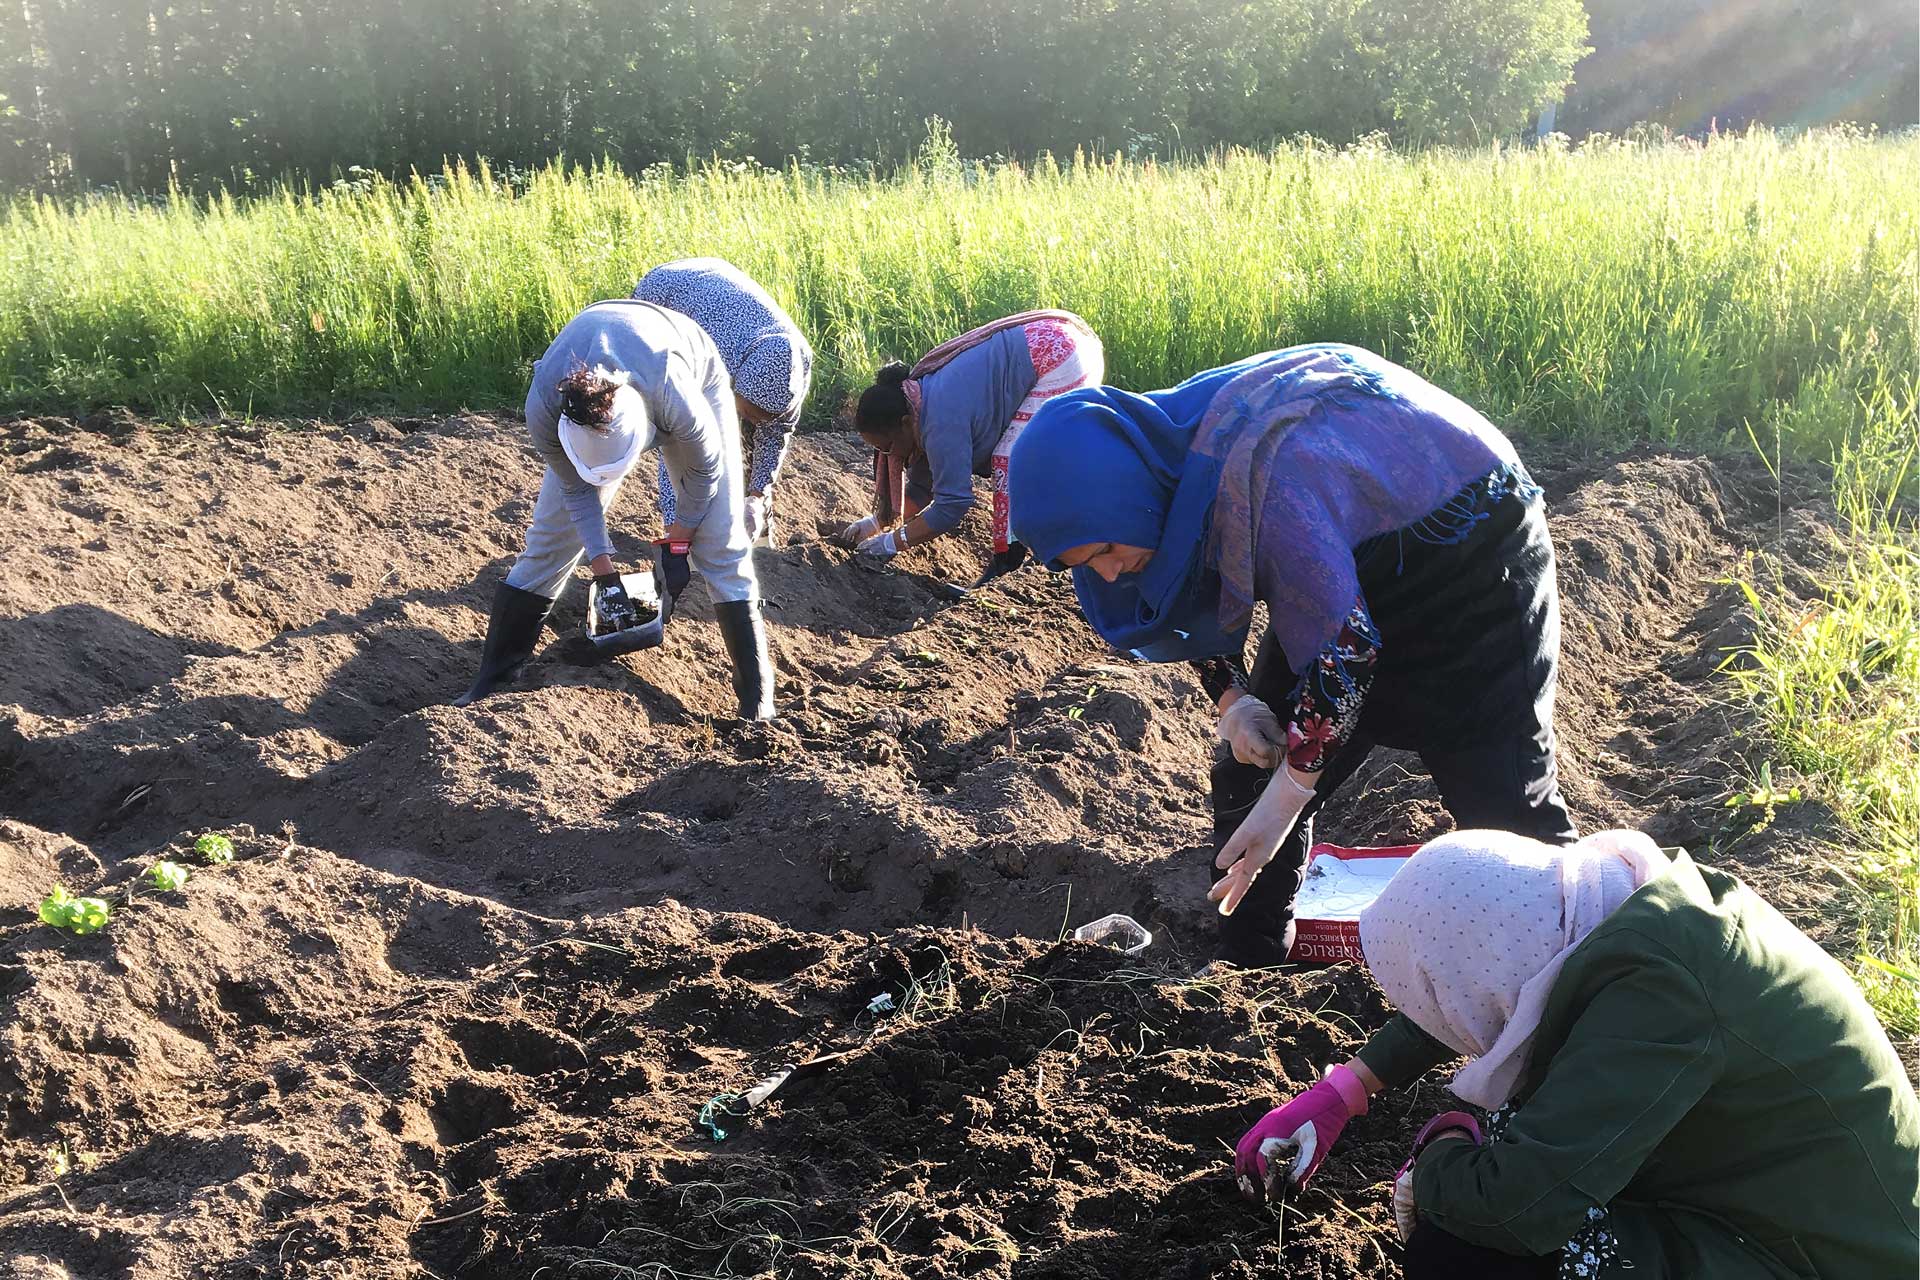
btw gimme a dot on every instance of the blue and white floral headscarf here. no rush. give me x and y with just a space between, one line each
773 374
1254 481
765 353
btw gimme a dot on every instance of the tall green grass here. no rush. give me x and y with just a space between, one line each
1837 679
1664 292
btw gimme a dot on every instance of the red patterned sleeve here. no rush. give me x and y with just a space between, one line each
1328 699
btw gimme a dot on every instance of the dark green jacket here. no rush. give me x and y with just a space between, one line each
1713 1078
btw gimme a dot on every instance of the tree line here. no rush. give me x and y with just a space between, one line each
142 94
1694 65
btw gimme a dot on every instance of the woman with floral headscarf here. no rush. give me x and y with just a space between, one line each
1683 1085
1403 557
956 414
767 358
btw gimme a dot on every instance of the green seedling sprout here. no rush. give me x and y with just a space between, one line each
167 876
1074 713
215 849
76 915
1764 797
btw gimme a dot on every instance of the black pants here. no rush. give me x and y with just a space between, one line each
1433 1254
1470 640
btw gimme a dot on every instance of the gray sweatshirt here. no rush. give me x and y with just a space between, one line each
679 376
965 407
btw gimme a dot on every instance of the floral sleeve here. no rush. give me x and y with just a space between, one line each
1217 675
1328 698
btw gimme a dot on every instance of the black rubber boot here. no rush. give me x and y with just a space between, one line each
1003 562
513 629
745 635
1259 933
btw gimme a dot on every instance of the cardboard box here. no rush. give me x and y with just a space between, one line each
1340 883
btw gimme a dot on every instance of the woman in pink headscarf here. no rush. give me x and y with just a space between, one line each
1681 1083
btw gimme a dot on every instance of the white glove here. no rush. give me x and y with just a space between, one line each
883 545
859 531
756 515
1446 1124
1403 1213
1254 732
1258 837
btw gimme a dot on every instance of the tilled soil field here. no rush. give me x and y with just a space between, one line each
457 1007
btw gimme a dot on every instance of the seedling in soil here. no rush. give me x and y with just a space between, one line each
932 994
1076 712
215 849
1764 796
62 1158
1000 1246
166 876
76 915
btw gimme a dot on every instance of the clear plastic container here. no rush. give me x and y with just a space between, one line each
1119 931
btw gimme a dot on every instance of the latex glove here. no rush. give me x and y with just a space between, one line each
1259 837
1311 1123
1405 1217
1254 732
883 545
1405 1214
756 515
859 531
616 608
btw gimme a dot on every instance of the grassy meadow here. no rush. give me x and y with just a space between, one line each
1618 291
1758 291
1838 679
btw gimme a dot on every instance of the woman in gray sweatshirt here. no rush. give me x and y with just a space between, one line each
622 377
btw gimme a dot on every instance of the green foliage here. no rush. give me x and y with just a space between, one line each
1684 64
1838 682
1613 292
215 849
167 876
77 915
228 92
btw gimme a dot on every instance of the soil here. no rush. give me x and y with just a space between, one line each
457 1005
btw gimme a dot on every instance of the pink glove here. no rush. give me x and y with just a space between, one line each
1302 1132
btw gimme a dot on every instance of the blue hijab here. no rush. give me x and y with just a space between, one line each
1135 481
1257 479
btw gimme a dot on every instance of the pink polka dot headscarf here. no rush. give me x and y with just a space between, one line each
1468 938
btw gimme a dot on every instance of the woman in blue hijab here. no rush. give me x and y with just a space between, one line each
1403 556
